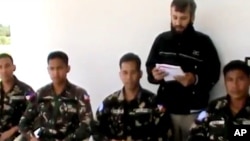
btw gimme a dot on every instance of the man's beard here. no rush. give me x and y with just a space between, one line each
180 30
177 29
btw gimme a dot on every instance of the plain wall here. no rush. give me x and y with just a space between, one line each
96 33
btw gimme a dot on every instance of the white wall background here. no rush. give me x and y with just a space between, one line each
96 33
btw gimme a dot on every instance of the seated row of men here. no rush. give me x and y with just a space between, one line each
61 111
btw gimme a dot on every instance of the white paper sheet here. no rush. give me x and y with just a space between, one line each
171 70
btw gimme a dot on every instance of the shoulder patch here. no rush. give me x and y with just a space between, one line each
86 97
202 116
161 108
30 96
115 95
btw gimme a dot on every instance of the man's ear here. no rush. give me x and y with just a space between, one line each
68 69
120 74
249 81
14 67
141 73
192 18
48 69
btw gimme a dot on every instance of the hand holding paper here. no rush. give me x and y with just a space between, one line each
171 71
159 74
186 80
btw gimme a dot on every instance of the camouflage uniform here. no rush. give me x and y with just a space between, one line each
216 123
13 105
64 117
137 120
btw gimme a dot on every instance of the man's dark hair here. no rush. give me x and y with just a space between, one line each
6 55
236 65
182 5
131 57
58 55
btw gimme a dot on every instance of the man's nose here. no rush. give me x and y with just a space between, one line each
235 84
178 22
129 77
55 72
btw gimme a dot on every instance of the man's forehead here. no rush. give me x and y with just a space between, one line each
56 62
180 10
130 67
235 72
56 65
5 60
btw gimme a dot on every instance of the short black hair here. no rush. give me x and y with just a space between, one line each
6 55
182 5
59 55
131 57
236 65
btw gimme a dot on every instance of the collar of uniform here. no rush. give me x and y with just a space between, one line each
16 81
66 89
246 105
122 93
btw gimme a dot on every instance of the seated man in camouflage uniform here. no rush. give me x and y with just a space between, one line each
131 113
12 97
217 122
63 108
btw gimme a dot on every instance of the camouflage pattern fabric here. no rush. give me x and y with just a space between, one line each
138 120
215 123
64 117
13 105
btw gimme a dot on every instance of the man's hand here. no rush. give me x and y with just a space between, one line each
186 80
158 74
32 138
7 134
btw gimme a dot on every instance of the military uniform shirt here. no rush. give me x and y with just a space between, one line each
216 123
138 119
64 117
13 104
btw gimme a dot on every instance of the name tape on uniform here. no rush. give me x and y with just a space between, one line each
240 133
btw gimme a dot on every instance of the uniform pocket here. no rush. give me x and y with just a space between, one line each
217 127
142 116
68 108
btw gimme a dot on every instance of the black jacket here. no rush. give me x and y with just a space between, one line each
194 52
